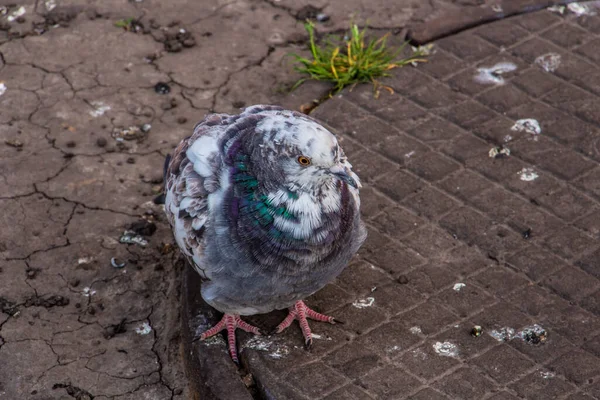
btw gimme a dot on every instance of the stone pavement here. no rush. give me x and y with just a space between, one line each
460 237
457 238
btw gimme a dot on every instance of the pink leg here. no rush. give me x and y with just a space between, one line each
301 312
230 322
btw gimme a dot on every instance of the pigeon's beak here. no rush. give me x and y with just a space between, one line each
345 174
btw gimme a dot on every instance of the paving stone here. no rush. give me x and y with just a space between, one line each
579 396
435 96
570 130
397 222
360 277
467 148
359 319
321 377
592 303
503 396
556 314
375 241
354 360
426 363
402 114
577 366
441 64
566 35
430 203
542 384
468 47
468 114
408 80
503 33
370 164
350 392
571 283
329 298
590 223
569 242
389 340
500 280
537 21
398 184
464 300
429 239
593 346
502 98
373 202
435 132
428 394
401 148
468 345
428 316
431 277
536 82
588 50
465 383
589 182
503 364
430 165
567 204
536 262
465 184
389 382
395 298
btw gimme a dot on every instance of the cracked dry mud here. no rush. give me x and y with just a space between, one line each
72 325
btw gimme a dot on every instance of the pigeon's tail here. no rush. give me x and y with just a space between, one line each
160 199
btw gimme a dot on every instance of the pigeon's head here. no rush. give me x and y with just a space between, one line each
304 154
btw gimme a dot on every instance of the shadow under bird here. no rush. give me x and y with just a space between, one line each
265 207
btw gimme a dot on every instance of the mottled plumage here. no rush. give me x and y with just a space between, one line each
263 229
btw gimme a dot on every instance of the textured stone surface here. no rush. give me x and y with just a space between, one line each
457 238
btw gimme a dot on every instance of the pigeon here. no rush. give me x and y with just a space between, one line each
265 207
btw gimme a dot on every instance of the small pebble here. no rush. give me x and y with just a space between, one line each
322 17
162 88
130 160
71 144
146 128
189 42
14 143
101 142
182 120
402 279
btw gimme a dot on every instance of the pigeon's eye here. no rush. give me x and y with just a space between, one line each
304 161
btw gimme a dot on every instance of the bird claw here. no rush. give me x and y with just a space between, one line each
230 323
308 344
301 312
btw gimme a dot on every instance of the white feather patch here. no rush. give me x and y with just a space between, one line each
201 152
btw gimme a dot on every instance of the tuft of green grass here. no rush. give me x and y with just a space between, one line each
352 61
125 23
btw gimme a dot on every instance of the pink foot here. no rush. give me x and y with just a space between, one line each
301 312
230 322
